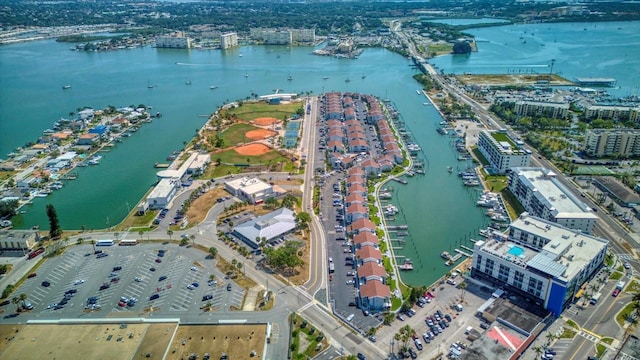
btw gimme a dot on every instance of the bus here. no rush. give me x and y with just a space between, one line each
128 242
104 243
595 298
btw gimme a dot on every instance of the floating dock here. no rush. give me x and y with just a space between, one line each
397 227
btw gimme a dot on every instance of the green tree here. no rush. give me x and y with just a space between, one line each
303 219
289 201
170 233
461 47
213 252
23 298
54 224
15 301
284 258
8 208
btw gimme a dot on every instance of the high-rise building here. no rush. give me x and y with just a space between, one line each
228 40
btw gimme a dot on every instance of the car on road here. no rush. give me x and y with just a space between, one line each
45 284
616 292
626 265
372 338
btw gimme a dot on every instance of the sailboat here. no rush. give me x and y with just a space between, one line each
290 78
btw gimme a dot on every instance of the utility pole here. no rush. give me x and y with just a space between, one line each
553 61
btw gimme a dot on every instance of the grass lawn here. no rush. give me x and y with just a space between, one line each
615 276
250 111
624 314
306 341
567 334
232 157
572 324
235 134
514 208
440 49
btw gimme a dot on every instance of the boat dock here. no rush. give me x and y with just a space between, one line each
161 166
401 181
397 227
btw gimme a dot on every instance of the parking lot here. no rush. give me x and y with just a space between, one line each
162 278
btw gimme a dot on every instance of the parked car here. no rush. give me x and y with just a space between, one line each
45 284
207 297
32 275
154 297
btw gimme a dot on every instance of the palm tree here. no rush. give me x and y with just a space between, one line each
550 337
170 233
538 350
193 239
16 300
463 286
23 298
93 242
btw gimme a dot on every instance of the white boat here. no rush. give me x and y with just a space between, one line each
95 160
188 82
418 92
56 185
325 77
289 77
213 87
65 87
5 223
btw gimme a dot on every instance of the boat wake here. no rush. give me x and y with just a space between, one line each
190 64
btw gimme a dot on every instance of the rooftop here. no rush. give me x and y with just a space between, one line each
519 314
549 191
270 226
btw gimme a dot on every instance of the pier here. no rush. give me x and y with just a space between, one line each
401 181
460 253
397 227
161 166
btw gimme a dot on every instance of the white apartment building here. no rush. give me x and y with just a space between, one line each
540 260
612 112
228 40
176 40
303 35
543 196
542 108
501 151
605 142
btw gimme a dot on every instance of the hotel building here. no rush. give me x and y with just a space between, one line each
501 151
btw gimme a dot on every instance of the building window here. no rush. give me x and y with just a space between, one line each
488 266
503 273
479 262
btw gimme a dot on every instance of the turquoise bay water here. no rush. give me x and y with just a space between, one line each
438 209
610 49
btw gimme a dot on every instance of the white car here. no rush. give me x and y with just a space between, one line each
78 282
627 265
193 268
349 282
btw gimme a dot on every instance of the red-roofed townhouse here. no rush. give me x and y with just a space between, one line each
371 167
355 199
335 145
368 253
375 296
365 238
372 271
357 189
362 225
355 212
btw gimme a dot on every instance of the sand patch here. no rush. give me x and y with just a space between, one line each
259 134
265 121
253 149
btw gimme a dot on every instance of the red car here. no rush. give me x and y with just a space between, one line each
615 292
122 304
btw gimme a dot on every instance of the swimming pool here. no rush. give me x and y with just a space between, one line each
516 251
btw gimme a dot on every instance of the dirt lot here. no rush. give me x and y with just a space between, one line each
92 341
103 341
200 207
265 121
252 149
236 340
259 134
512 79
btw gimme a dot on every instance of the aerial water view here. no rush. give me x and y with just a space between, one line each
319 180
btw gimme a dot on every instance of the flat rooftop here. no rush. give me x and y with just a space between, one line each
567 252
549 191
517 312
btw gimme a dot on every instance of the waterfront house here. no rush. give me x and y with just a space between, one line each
98 129
357 189
355 212
371 167
356 171
367 254
375 296
355 199
360 226
372 271
365 238
354 179
88 139
86 114
386 163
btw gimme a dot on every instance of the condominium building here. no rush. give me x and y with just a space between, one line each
543 196
502 151
176 40
630 113
605 142
540 260
303 35
542 108
228 40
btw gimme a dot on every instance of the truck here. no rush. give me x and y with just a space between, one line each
620 285
332 268
595 298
